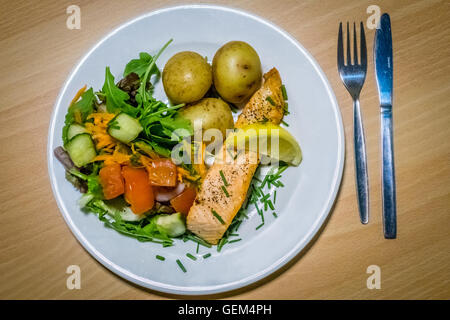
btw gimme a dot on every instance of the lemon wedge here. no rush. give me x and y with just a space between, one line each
268 139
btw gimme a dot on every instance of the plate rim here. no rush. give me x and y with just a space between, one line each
213 289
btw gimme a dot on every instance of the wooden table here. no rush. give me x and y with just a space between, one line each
37 53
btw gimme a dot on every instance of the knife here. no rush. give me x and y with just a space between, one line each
383 72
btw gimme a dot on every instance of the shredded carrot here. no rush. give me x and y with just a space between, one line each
98 130
117 157
186 174
78 95
146 162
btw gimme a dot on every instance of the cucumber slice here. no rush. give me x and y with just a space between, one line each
171 224
74 130
124 128
118 205
81 149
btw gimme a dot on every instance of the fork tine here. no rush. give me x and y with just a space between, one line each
340 53
363 48
349 58
355 46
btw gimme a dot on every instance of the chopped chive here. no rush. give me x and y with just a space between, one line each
215 214
281 169
206 256
274 214
190 256
259 226
286 109
198 246
270 204
275 197
221 244
265 198
283 122
269 98
265 206
235 240
225 191
225 182
198 240
256 191
181 266
160 257
283 91
233 235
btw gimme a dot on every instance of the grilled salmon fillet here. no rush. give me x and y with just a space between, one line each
213 211
260 107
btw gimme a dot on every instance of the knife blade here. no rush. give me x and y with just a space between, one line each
383 72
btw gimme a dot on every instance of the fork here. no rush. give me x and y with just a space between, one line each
353 76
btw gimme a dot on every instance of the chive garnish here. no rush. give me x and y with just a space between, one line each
196 239
283 122
198 246
274 214
181 266
206 256
221 244
270 204
218 217
286 109
283 91
190 256
275 196
269 98
160 257
225 191
259 226
225 182
235 240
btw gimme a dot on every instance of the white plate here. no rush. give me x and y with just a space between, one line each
310 189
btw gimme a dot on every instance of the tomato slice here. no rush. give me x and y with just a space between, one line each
184 201
112 181
162 172
138 191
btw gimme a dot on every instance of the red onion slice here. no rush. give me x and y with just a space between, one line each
164 194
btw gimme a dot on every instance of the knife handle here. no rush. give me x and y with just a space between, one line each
362 180
388 176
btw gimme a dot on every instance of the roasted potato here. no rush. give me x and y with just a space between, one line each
237 71
214 113
186 77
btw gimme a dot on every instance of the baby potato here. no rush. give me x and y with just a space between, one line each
214 113
186 77
236 71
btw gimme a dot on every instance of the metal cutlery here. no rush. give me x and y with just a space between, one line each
353 76
383 72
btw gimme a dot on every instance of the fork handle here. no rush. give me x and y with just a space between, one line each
388 176
362 180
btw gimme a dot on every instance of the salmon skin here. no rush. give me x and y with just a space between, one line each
213 209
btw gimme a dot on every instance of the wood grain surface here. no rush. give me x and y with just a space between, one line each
37 52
